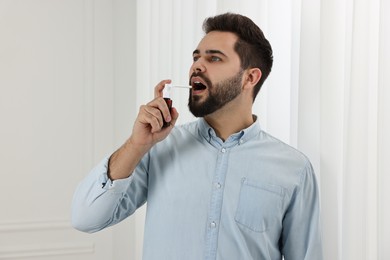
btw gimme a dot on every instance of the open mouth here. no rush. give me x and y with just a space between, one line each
198 86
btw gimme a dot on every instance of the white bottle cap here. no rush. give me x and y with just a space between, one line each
167 91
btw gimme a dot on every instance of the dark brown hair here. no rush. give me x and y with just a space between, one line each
252 47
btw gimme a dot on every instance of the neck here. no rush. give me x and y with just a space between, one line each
229 120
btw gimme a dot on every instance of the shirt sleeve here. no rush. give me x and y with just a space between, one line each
99 202
301 238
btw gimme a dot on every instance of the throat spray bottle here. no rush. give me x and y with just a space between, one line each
167 97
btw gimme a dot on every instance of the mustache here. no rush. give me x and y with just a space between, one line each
202 76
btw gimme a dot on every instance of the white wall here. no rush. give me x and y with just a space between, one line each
67 76
125 107
73 73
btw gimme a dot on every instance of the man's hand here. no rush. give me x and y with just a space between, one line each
147 131
148 127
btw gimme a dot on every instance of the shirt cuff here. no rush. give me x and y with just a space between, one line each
116 186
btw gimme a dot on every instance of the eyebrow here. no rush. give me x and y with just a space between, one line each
210 52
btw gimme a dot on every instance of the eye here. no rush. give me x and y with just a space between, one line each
215 58
195 58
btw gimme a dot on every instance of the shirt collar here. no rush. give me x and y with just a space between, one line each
208 133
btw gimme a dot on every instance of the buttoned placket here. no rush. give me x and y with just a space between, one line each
217 188
216 200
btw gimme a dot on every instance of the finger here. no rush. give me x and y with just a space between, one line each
158 90
150 117
162 106
174 116
153 117
169 127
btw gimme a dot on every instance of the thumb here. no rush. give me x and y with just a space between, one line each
158 89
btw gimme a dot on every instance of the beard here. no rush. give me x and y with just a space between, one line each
219 95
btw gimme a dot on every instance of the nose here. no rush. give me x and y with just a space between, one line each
198 66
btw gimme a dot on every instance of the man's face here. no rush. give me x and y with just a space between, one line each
215 75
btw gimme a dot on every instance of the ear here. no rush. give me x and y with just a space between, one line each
251 77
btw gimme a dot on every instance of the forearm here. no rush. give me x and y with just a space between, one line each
123 162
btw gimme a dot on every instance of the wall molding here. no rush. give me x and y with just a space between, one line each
15 252
23 226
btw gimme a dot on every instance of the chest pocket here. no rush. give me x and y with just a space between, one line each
259 205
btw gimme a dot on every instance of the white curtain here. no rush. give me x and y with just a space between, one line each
326 96
354 119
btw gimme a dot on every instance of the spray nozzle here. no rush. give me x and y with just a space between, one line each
168 87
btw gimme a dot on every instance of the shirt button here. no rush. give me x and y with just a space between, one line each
213 224
223 150
218 185
241 141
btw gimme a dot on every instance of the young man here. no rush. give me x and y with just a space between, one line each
216 188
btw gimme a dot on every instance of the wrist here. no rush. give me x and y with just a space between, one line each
136 148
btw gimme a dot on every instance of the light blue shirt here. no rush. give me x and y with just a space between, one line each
250 197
